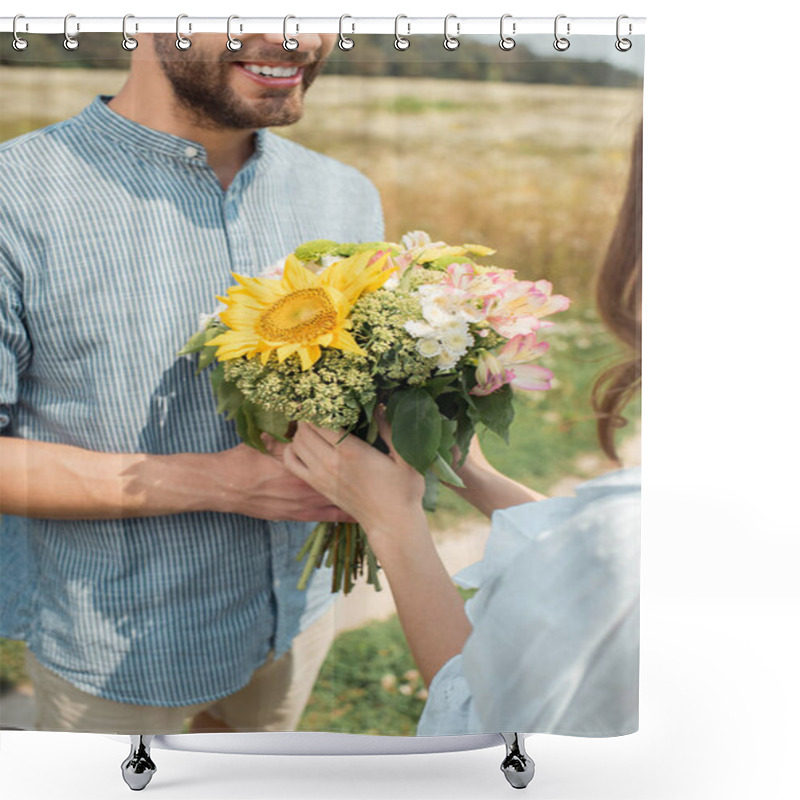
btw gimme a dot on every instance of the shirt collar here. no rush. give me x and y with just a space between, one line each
140 137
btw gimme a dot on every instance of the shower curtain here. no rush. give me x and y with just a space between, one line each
404 302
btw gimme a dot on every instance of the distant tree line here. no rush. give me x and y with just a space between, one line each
373 55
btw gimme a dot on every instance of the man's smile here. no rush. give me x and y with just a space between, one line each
274 74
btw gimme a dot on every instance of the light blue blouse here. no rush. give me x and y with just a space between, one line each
555 640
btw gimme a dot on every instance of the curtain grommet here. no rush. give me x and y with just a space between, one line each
400 42
507 42
561 43
181 41
451 42
233 44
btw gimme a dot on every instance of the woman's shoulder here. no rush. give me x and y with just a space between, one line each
598 526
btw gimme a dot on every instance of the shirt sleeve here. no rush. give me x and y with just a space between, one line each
15 346
449 709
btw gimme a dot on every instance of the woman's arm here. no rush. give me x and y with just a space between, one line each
58 481
430 608
486 488
384 494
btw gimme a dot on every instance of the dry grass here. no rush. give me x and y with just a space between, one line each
535 171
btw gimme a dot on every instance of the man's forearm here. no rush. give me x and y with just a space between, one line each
57 481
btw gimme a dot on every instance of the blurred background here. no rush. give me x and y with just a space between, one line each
526 151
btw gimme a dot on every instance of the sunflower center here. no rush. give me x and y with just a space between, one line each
299 317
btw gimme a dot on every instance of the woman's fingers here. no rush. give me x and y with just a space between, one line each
295 464
331 438
386 432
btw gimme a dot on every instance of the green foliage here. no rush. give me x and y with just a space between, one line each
12 664
416 427
495 410
311 251
360 688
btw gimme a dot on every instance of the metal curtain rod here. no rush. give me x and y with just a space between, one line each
459 26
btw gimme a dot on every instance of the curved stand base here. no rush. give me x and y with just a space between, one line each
517 766
138 768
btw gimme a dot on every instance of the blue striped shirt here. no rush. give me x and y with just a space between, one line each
114 237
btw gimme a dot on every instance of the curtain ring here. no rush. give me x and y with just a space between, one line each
561 43
289 44
70 42
507 42
128 42
18 43
182 43
233 44
623 45
344 42
400 43
451 42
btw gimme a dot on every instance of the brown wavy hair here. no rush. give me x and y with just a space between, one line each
619 301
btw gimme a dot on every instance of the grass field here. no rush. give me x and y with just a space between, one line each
534 171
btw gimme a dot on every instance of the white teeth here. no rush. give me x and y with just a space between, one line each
272 72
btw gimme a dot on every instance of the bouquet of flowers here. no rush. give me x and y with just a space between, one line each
337 329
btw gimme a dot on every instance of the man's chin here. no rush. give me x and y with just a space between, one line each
277 109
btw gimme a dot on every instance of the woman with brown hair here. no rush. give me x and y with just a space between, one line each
550 641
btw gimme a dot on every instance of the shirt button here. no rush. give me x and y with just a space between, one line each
190 152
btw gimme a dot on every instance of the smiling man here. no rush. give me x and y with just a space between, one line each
148 558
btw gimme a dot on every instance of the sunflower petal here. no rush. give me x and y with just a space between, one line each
344 341
296 276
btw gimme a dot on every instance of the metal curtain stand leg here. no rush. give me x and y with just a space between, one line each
517 766
138 768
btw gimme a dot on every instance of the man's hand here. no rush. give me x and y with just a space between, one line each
56 481
250 483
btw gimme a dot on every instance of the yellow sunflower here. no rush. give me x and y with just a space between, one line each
300 313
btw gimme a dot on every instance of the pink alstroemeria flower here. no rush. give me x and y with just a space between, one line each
520 307
462 278
511 365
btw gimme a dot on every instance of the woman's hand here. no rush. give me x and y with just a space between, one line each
382 492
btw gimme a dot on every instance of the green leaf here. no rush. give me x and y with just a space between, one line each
206 358
416 427
217 377
268 421
439 385
194 345
445 472
448 438
431 496
443 262
229 398
465 430
372 431
495 410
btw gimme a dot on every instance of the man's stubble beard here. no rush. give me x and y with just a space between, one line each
201 87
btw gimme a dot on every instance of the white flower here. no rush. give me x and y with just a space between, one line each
430 348
419 329
446 362
393 282
203 320
415 239
274 271
456 341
